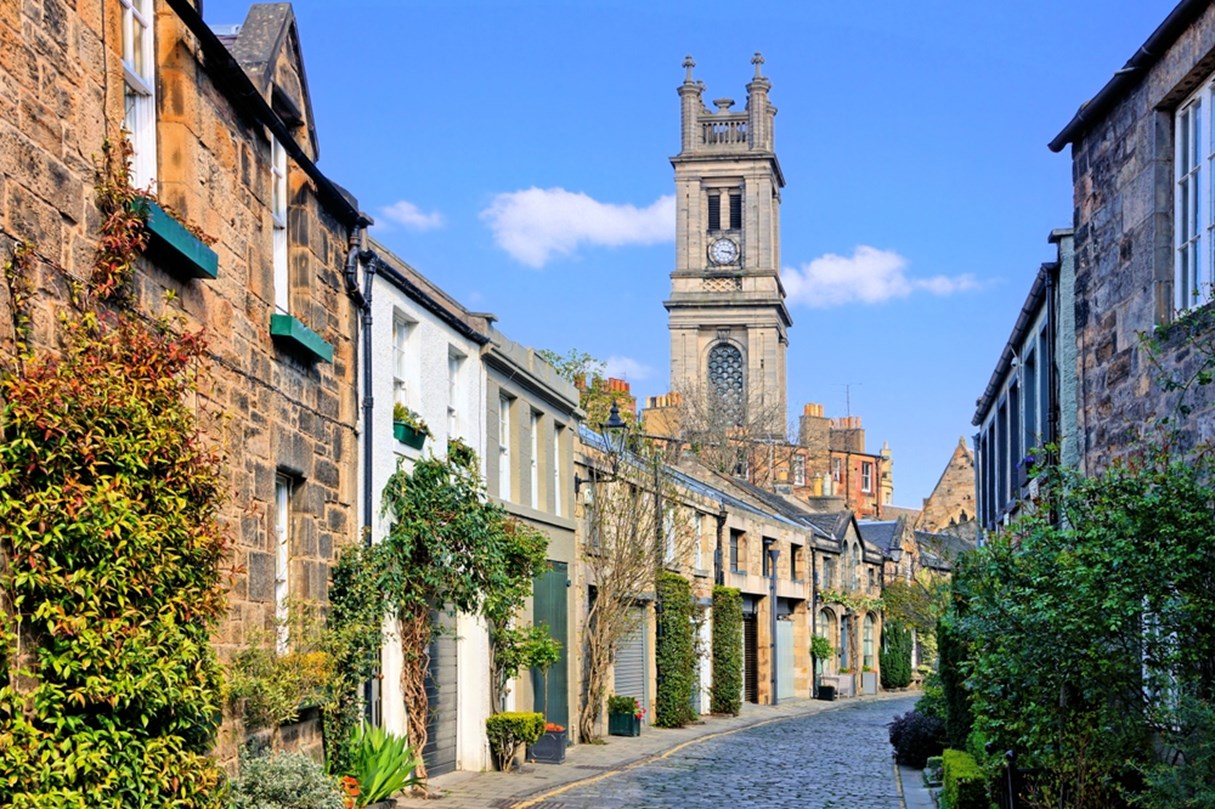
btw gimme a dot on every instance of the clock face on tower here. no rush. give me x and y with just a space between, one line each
723 251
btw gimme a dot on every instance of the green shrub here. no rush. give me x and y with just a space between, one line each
110 691
895 655
932 703
675 653
725 696
915 737
509 731
382 763
284 781
625 704
951 648
964 784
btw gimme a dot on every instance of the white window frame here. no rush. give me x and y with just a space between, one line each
799 470
668 535
504 490
836 469
278 216
282 561
535 459
455 364
139 88
1193 210
402 331
866 476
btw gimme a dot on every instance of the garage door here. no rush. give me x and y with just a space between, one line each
630 679
784 659
440 750
751 657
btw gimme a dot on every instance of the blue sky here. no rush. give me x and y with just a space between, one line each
517 154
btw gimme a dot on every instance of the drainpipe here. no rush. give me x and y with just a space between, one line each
813 616
357 256
719 572
360 256
772 553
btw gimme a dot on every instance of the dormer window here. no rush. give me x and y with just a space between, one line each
139 89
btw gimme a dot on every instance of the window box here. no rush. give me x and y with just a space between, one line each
177 249
549 748
290 331
407 435
623 724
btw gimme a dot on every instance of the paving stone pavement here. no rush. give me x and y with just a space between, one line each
800 753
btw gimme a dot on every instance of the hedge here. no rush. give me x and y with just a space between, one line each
675 653
965 786
895 655
725 696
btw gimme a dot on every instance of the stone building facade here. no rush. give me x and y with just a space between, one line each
1027 414
222 133
728 322
1142 197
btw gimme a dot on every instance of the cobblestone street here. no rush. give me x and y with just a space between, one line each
839 758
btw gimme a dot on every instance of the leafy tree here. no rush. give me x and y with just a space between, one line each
448 548
588 375
1082 631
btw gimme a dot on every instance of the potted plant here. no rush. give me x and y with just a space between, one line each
541 653
550 748
624 716
408 427
461 453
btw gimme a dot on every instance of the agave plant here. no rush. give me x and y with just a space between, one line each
382 764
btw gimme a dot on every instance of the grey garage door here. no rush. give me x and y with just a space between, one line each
631 662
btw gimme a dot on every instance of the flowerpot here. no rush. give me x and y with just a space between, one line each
826 692
623 724
549 748
387 803
407 435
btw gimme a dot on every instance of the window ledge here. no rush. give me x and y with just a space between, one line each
179 251
289 330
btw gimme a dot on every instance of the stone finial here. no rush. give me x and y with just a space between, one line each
757 60
688 64
723 104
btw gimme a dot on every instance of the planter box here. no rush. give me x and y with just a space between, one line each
389 803
408 435
177 249
869 682
549 748
289 330
623 724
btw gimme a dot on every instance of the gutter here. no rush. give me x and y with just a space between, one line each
231 79
1131 73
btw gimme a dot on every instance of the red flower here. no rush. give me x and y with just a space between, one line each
553 727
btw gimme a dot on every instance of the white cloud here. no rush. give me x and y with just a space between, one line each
538 224
408 215
627 368
869 275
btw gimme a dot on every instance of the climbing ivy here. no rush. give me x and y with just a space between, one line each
725 695
675 653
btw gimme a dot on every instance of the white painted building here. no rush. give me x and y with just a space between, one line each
426 354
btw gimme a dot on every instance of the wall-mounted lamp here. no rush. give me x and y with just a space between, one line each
615 431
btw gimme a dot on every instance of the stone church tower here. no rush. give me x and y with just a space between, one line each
727 316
